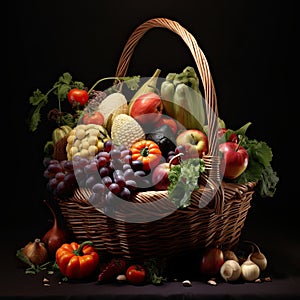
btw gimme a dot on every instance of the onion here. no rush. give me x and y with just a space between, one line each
36 252
55 236
211 262
230 270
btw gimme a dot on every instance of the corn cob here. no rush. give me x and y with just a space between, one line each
86 140
126 130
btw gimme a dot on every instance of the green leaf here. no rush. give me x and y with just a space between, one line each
259 167
35 118
78 84
259 151
37 98
242 131
66 78
23 258
62 91
263 154
252 173
268 183
184 180
221 123
49 149
131 82
155 270
68 119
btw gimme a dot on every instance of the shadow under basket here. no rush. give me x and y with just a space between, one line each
215 216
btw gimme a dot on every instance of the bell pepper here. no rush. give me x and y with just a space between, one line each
60 132
77 261
146 151
182 99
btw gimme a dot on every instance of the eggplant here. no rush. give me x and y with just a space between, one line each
164 137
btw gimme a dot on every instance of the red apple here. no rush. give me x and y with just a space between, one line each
222 136
211 262
172 123
147 108
160 177
193 139
235 159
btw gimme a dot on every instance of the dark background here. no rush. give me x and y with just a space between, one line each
249 45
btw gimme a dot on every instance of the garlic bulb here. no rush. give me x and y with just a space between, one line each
249 270
36 252
257 256
230 270
259 259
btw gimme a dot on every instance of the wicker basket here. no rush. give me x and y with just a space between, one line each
204 223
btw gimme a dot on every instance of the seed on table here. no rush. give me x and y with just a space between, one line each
186 283
268 279
212 282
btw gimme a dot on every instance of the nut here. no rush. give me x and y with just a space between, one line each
121 278
212 282
186 283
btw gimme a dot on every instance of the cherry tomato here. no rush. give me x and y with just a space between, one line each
78 96
93 118
136 274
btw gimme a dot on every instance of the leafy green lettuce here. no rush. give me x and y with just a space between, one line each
259 168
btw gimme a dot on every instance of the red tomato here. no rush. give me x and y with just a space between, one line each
93 118
136 274
78 96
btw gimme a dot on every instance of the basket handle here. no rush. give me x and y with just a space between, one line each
201 62
205 75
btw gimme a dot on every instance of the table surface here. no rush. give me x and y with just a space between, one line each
280 244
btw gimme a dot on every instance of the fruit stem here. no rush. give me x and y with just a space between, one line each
175 156
102 79
78 251
239 143
194 140
253 245
144 152
55 225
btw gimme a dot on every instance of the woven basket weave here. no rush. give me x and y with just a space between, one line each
217 211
